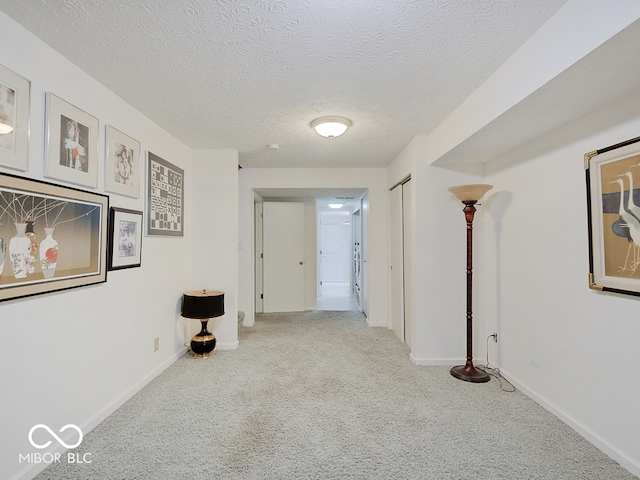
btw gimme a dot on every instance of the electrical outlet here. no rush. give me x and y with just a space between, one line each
156 344
495 337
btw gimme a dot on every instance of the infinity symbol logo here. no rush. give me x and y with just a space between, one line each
60 441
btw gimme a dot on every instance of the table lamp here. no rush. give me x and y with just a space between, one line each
203 305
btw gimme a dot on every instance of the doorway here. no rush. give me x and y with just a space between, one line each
340 293
336 289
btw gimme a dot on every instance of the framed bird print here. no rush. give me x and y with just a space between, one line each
613 200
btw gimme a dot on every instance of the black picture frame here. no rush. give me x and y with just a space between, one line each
613 203
125 238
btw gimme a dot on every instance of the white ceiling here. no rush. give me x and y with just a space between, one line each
247 73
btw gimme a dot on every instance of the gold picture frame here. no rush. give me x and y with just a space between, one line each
52 237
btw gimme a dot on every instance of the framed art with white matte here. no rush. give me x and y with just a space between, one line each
125 238
123 165
72 143
15 104
613 199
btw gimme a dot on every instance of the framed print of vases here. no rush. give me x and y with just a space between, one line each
57 237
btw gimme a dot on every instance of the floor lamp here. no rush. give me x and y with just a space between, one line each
469 195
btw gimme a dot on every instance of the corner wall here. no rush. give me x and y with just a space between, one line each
75 356
568 347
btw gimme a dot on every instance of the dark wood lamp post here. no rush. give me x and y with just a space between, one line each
469 195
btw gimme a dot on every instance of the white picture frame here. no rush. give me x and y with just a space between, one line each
123 165
15 107
71 143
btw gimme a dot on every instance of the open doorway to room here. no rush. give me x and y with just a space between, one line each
332 258
339 254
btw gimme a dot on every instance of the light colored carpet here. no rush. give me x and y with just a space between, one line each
319 395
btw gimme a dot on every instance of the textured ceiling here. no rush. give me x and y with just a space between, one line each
247 73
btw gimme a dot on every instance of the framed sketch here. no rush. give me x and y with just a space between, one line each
15 104
123 166
165 197
72 143
613 200
51 237
125 238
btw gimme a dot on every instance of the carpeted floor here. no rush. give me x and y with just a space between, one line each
319 395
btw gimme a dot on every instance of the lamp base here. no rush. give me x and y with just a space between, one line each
468 373
204 342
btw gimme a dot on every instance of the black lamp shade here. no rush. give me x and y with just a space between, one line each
203 304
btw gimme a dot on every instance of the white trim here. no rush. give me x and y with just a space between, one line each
606 447
434 361
227 346
376 324
103 414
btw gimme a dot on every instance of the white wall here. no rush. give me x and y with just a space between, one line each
439 255
373 179
75 356
571 348
568 347
213 216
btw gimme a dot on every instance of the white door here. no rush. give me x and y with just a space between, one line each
283 262
335 247
401 261
364 252
258 256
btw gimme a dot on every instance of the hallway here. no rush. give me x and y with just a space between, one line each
337 297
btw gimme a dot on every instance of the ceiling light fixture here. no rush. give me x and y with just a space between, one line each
331 127
335 205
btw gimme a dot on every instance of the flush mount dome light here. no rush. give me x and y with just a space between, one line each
330 127
335 205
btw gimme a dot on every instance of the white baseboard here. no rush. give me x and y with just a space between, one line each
435 361
248 323
376 324
94 421
227 346
630 464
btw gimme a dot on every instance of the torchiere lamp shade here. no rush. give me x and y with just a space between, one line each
468 193
203 304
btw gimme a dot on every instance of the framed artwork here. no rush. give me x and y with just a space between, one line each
72 143
123 166
165 198
15 105
125 238
51 237
613 200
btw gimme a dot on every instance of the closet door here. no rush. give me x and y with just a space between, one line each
401 261
397 266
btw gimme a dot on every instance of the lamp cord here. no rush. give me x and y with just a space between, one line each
495 372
